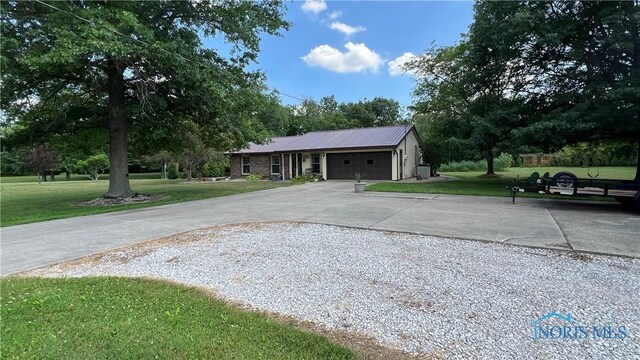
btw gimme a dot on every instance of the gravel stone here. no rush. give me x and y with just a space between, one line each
426 295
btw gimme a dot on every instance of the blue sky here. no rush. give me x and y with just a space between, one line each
346 48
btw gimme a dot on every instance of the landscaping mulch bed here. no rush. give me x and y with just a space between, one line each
137 198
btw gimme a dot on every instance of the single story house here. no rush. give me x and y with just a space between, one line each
379 153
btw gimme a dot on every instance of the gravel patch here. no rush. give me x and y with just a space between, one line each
426 295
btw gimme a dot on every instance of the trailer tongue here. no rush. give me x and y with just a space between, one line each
626 192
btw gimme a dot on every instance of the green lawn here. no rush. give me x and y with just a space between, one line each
25 202
74 177
118 318
471 184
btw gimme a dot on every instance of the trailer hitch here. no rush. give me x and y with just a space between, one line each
514 190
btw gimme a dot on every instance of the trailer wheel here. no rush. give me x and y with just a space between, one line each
564 179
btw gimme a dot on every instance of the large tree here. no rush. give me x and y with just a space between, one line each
584 61
472 87
136 63
539 73
369 113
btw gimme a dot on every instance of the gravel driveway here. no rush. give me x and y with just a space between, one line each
425 295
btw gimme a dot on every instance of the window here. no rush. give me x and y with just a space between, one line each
370 162
315 163
246 168
347 162
275 164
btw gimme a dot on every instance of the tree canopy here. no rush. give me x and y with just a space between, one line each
133 65
537 73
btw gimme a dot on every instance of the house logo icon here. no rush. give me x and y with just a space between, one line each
540 331
554 326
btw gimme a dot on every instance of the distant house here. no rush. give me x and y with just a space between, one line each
380 153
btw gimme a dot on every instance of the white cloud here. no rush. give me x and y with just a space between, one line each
358 58
314 6
346 29
395 66
335 14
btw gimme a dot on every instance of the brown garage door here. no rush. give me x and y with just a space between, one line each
374 165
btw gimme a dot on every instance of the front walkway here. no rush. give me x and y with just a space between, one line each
589 227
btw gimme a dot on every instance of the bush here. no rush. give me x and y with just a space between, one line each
605 153
215 168
306 177
503 162
253 177
172 171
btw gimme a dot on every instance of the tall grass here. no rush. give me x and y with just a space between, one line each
464 166
500 163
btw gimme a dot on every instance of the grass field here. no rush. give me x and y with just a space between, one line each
23 200
471 183
75 177
118 318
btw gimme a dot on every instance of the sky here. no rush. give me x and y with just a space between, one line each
354 49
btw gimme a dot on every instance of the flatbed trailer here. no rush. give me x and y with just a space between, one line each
626 192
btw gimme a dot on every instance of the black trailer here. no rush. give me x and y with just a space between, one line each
626 192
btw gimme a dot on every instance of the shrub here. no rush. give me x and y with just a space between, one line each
606 153
253 177
503 162
215 168
306 177
172 171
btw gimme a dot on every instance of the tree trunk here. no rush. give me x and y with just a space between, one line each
39 177
67 175
52 177
490 170
163 170
118 160
44 176
188 173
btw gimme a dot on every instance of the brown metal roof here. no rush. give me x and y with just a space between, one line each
375 137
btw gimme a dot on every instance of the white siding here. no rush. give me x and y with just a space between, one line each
411 157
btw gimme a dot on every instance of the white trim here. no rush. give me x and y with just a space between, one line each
242 164
279 164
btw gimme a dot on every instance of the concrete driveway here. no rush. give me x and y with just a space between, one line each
581 226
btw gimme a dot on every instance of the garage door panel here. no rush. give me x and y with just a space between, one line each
374 165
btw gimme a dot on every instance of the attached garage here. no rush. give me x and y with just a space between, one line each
373 165
378 153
